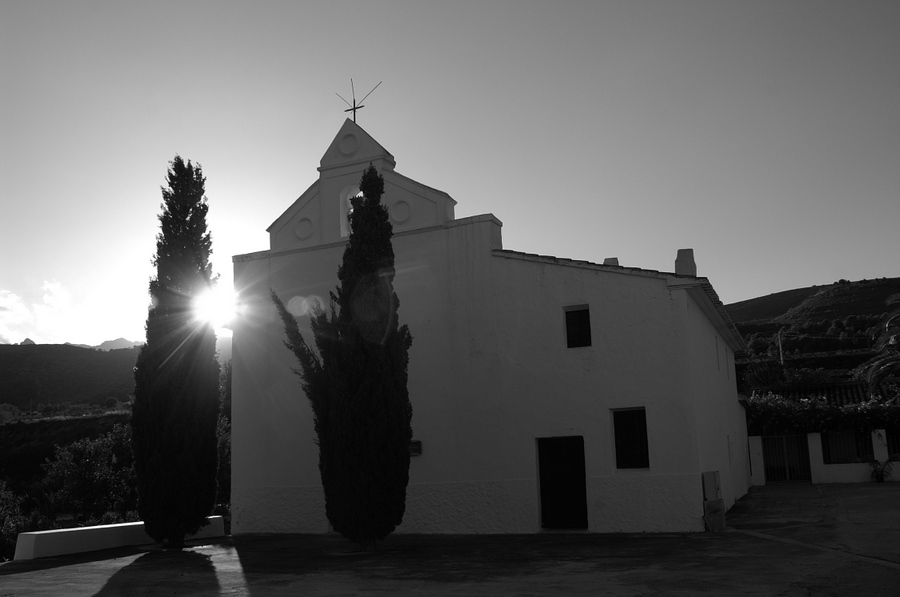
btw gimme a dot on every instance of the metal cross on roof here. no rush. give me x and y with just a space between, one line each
354 106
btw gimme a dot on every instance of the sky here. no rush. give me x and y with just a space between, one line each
763 134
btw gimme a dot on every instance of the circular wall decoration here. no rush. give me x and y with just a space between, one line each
348 145
304 229
400 212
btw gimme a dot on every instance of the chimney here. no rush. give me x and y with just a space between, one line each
684 263
611 261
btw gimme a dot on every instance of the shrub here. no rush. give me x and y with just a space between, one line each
772 414
91 477
13 521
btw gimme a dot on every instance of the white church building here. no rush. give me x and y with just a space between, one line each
547 393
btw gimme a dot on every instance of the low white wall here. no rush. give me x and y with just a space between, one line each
42 544
855 472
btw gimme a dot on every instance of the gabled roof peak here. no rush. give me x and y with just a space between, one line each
353 145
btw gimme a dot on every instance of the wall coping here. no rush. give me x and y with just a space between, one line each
55 542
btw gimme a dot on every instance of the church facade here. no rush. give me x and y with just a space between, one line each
547 393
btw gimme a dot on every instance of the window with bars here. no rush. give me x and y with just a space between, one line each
630 430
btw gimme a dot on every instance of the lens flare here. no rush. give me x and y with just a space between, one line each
217 307
299 306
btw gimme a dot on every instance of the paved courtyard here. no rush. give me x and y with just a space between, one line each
783 540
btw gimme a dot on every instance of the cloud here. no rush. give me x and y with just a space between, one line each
47 321
15 318
56 315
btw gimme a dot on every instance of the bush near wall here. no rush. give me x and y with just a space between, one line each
26 445
772 414
14 521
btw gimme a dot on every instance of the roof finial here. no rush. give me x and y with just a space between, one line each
354 107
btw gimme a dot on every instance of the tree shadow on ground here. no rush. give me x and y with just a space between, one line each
51 562
168 572
419 558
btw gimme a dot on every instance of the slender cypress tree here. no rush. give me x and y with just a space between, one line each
356 380
176 399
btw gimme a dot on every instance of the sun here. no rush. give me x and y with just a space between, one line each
217 306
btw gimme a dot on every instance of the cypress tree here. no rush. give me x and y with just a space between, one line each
176 399
356 380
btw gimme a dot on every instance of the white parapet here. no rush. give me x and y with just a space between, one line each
42 544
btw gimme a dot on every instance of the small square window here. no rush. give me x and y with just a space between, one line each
630 429
578 326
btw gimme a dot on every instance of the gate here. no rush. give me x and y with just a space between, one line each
786 458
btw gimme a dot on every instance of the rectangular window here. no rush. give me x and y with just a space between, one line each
630 429
893 444
843 447
578 326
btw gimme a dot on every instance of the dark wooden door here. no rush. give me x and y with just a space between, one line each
562 482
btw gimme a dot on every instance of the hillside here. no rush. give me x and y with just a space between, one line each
767 308
845 299
802 305
820 327
58 373
41 374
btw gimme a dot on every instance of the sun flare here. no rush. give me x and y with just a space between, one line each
217 307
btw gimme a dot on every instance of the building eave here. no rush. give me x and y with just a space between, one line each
698 288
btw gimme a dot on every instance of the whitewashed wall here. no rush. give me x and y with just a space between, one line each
489 372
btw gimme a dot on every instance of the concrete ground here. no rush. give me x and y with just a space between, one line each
782 540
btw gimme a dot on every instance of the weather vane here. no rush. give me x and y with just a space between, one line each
354 107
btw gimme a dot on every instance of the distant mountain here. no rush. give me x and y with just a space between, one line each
109 344
117 344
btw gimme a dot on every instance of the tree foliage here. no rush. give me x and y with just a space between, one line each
176 377
91 477
356 379
14 520
773 414
886 364
223 433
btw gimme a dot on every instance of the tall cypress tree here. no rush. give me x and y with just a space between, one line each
176 399
356 380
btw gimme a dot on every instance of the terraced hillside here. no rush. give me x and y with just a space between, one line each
829 327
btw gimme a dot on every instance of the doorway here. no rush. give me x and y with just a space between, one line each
563 488
786 458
